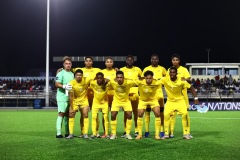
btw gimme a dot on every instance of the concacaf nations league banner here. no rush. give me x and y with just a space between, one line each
218 106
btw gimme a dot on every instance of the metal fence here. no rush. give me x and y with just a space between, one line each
20 98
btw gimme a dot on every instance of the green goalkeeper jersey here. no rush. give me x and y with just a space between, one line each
63 77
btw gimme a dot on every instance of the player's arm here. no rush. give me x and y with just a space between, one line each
64 86
59 70
194 93
70 94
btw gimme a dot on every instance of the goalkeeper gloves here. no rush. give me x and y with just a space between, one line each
67 87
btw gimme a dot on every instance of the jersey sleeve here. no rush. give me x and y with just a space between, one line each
59 77
164 71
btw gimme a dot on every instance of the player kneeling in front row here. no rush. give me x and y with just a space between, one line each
175 100
147 90
121 99
100 89
78 101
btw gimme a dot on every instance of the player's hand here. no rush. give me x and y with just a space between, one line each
196 102
67 87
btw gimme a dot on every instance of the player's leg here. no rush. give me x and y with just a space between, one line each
156 111
94 122
110 99
66 120
114 111
72 114
185 94
183 111
90 102
147 120
124 124
114 124
105 111
128 109
61 112
169 108
161 103
140 123
84 111
81 124
134 103
141 109
172 123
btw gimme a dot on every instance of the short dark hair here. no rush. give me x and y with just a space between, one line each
88 57
119 72
175 56
174 68
78 71
154 55
148 73
100 74
130 56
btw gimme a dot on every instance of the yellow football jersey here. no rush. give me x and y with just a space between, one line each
158 71
148 92
121 92
100 92
174 88
109 74
131 73
88 72
182 72
79 90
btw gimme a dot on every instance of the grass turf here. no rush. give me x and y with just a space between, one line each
30 134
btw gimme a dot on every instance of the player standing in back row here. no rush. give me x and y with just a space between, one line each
132 73
159 72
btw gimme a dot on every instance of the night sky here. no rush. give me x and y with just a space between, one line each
117 28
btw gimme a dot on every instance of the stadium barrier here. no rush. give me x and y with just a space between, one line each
26 98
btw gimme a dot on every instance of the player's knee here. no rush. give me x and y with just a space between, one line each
140 114
72 114
61 114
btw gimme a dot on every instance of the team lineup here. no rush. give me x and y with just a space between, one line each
137 92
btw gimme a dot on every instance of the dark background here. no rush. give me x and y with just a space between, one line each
117 28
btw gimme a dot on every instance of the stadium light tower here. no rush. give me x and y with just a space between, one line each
208 51
47 56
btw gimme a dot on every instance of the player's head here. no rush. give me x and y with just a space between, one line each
173 73
67 63
100 78
129 60
154 60
148 76
88 61
109 62
78 74
120 77
175 60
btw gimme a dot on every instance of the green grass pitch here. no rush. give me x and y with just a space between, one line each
30 134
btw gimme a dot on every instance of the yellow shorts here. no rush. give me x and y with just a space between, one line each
145 104
97 106
179 106
116 105
159 94
79 105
